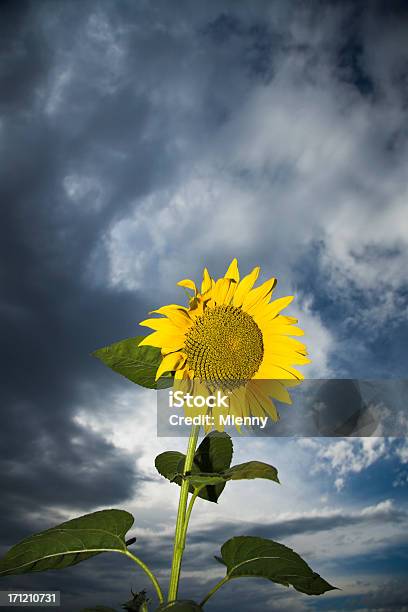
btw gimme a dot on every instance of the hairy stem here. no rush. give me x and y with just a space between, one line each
148 572
187 517
182 517
214 590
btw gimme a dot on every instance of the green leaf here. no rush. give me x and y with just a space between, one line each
69 543
243 471
182 605
252 469
258 557
170 464
205 480
136 363
213 455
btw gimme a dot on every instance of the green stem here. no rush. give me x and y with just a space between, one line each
182 517
148 572
188 514
214 590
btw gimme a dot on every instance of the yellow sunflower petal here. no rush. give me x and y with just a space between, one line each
279 329
290 320
196 307
293 382
217 412
287 342
272 411
270 311
236 398
285 320
188 284
165 310
181 374
244 286
276 372
280 344
255 402
207 282
164 325
236 402
223 290
245 407
166 341
259 295
233 271
261 403
274 388
170 363
180 318
208 427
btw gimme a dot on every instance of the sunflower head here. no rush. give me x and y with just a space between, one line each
231 335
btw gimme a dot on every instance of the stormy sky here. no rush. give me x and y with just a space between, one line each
139 142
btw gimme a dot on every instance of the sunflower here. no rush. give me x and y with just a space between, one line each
231 336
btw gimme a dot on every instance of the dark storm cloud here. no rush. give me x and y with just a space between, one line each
50 318
100 122
392 595
23 60
302 525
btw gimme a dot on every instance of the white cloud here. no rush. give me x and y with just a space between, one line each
402 452
349 456
318 338
179 233
380 510
339 483
172 232
296 164
133 428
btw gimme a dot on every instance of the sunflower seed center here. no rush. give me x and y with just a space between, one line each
224 345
